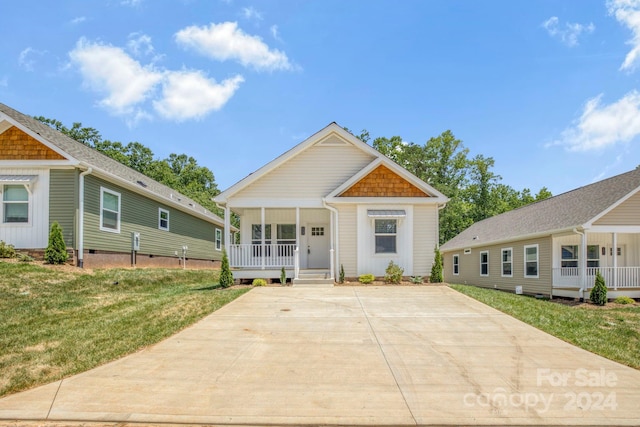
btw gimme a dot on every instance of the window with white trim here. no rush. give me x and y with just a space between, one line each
507 264
256 239
218 239
109 210
456 264
385 235
593 256
484 263
569 256
163 219
531 261
15 204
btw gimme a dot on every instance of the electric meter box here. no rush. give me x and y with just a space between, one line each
135 241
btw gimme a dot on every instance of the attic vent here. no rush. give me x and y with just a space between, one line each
467 251
142 184
332 139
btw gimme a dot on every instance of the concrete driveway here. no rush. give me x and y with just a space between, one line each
361 356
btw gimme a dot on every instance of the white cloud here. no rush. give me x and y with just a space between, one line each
251 13
226 41
133 3
126 84
627 12
140 44
568 34
190 94
108 69
274 32
78 20
27 58
601 126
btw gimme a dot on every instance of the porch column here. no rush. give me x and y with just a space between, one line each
296 261
262 235
227 228
583 260
331 250
615 260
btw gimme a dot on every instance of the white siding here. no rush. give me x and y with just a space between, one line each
35 234
348 228
312 174
376 264
425 238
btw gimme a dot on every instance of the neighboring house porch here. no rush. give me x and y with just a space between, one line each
616 255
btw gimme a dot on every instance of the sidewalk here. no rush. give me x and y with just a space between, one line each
347 356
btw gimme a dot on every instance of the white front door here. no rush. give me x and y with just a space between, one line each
318 246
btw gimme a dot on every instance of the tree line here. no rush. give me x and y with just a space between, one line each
178 171
474 190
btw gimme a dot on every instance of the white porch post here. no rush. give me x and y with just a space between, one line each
227 229
297 250
583 260
615 260
262 235
332 251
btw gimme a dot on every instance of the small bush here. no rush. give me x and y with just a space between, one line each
416 280
226 277
624 300
56 251
283 276
436 268
341 278
25 258
393 273
366 278
598 294
259 282
7 251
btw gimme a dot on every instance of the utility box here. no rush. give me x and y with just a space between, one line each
135 241
519 290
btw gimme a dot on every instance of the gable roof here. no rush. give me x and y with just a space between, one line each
80 155
578 208
323 137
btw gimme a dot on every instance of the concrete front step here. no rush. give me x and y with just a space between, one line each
313 282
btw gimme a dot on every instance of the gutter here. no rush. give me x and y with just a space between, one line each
337 238
80 262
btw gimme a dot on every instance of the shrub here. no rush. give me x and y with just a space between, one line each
416 280
341 278
623 299
283 276
598 294
56 251
25 258
393 273
226 277
436 268
7 251
366 278
259 282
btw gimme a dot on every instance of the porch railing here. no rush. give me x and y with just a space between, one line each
257 256
614 277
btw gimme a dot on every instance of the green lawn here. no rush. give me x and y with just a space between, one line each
56 322
612 331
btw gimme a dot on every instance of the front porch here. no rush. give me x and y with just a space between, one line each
296 239
578 257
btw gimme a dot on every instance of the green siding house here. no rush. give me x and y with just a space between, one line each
110 214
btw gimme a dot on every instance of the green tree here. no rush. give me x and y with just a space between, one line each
56 251
598 293
436 268
226 276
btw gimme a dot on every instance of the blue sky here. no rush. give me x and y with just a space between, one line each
549 89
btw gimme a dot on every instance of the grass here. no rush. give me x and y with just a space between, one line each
59 322
611 331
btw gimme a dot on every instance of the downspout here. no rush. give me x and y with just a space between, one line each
80 262
582 262
336 242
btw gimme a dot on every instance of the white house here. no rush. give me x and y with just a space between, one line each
331 201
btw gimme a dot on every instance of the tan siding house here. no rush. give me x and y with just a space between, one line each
332 201
565 240
101 204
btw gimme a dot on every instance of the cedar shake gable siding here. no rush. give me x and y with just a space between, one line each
383 182
17 145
